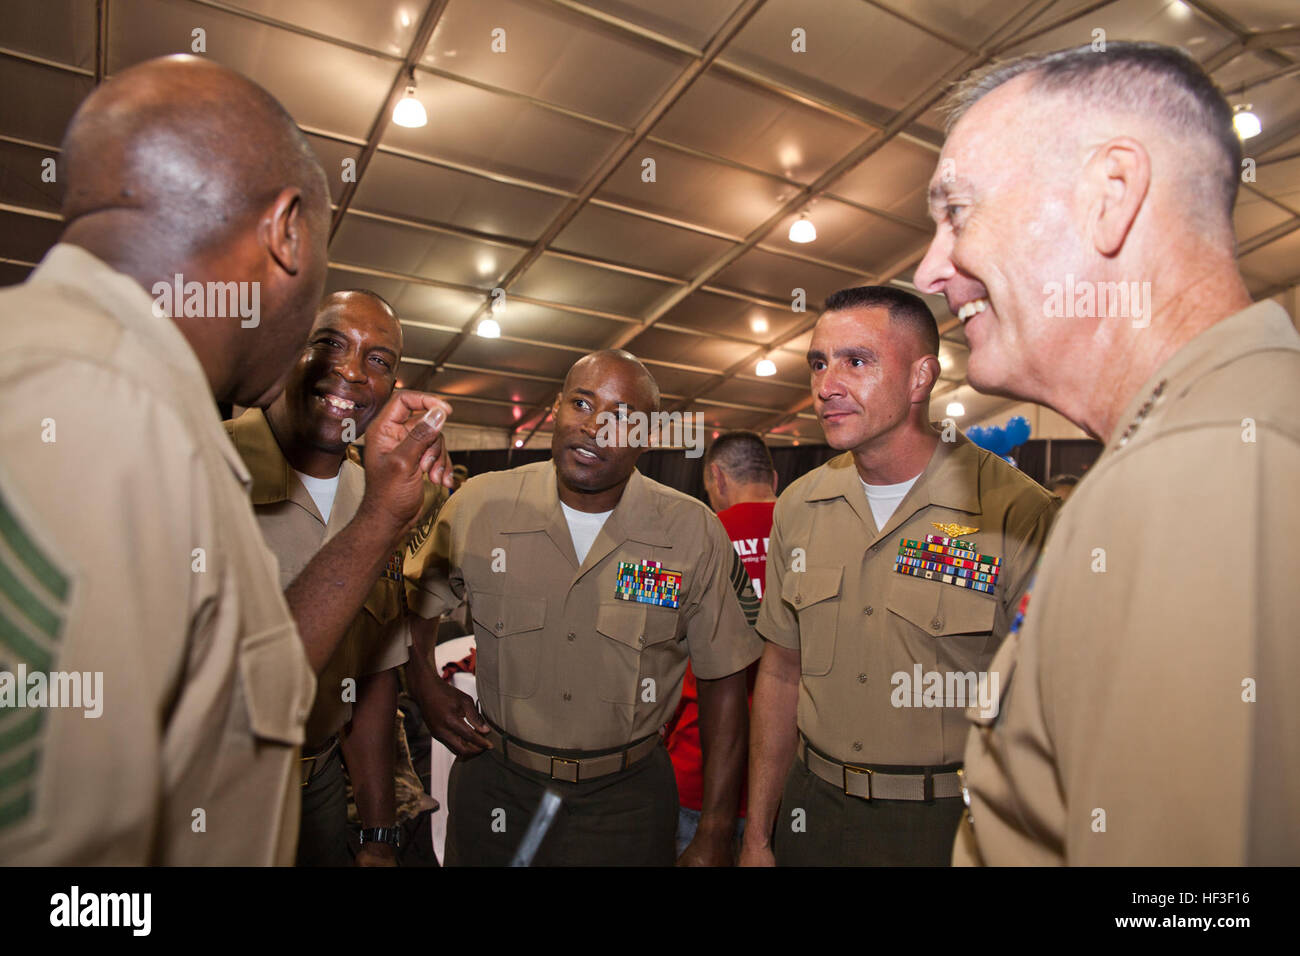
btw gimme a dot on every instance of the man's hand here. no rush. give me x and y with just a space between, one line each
376 854
404 443
446 710
711 847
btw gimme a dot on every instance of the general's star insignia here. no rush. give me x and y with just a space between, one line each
954 530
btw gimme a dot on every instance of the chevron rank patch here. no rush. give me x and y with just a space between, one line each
33 611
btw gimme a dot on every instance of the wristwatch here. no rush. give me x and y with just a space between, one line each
390 835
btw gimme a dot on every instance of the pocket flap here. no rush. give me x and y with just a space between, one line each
941 609
623 621
278 684
504 616
802 589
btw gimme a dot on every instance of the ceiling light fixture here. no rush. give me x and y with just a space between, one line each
409 111
519 443
1244 121
765 367
956 409
489 329
759 324
802 230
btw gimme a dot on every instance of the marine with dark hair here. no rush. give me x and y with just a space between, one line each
1150 720
893 573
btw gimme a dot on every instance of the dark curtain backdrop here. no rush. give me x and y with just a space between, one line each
673 468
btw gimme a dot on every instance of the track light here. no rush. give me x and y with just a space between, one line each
409 111
765 368
956 409
489 329
1245 122
802 230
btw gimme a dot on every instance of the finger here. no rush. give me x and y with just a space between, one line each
467 727
422 436
460 740
403 405
413 402
438 467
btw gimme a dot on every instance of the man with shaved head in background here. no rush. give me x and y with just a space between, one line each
590 587
1151 718
893 572
129 552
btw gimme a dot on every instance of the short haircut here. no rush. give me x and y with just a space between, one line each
368 292
1067 480
903 307
622 355
742 456
1146 79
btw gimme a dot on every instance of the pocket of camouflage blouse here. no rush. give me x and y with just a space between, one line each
508 637
814 595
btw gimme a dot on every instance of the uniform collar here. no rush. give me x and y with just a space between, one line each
636 517
125 299
950 480
1262 325
273 477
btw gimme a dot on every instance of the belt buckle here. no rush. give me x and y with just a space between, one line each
565 761
862 772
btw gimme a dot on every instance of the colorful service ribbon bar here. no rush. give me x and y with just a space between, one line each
965 563
945 578
648 583
949 560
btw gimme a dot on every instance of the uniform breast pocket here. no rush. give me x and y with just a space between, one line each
960 621
278 685
815 596
508 635
634 635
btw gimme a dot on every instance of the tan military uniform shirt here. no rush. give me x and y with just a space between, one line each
128 547
1151 718
294 529
868 637
562 661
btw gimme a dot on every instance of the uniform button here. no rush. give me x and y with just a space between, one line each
571 636
936 623
641 641
568 696
501 625
869 610
857 745
798 599
862 678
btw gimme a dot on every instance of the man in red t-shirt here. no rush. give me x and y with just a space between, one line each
741 484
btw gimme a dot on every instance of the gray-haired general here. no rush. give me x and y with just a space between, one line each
1148 712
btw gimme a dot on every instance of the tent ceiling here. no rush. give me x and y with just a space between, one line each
528 176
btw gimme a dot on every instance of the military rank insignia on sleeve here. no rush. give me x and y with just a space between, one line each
648 583
950 560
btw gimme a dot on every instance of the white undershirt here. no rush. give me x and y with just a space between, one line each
885 499
583 528
322 491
